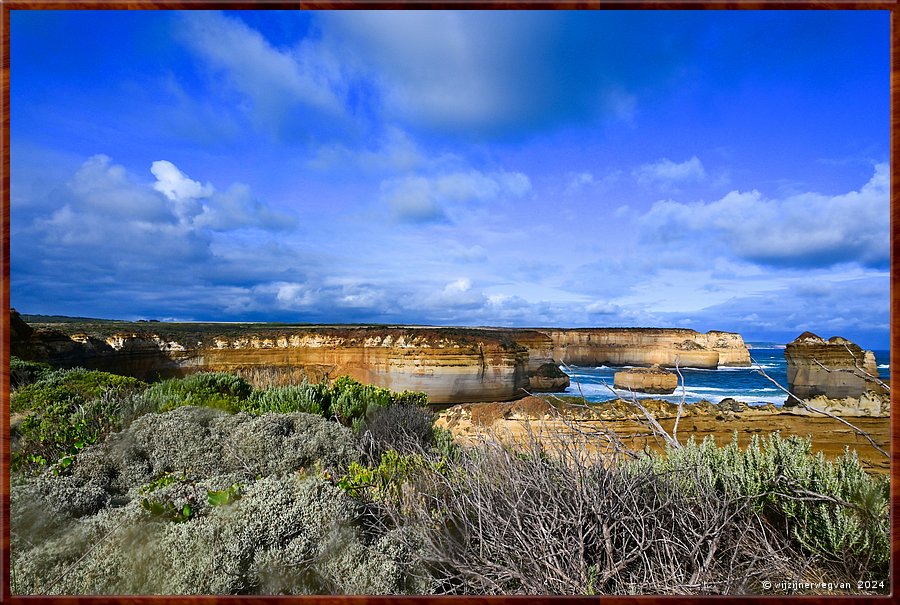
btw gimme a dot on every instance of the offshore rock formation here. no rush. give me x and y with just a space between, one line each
835 375
653 380
647 347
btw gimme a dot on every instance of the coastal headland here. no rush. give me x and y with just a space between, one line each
452 365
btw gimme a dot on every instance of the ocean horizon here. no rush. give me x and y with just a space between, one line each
743 384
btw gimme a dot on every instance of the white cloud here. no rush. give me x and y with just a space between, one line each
291 295
201 206
463 284
602 307
665 172
424 199
804 230
395 151
108 224
175 185
274 80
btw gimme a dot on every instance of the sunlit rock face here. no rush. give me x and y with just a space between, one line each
653 380
666 347
834 369
451 365
834 375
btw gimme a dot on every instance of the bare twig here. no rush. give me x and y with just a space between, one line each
680 403
653 422
857 370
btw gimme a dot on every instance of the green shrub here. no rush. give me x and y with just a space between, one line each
22 373
75 385
217 390
832 510
384 481
69 411
353 402
305 397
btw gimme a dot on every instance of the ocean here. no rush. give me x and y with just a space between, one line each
742 384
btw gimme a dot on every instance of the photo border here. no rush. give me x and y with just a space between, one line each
6 6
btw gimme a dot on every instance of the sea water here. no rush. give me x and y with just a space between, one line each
745 384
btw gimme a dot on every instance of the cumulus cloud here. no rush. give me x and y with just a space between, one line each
428 199
110 232
202 206
602 307
805 230
665 172
174 184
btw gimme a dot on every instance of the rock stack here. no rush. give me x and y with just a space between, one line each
654 380
836 375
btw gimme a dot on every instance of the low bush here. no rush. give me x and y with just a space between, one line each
405 428
305 397
23 373
217 390
499 520
197 501
383 482
834 511
352 402
77 386
69 410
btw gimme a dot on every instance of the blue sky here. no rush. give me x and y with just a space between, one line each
710 169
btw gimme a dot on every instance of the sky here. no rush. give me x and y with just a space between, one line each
714 170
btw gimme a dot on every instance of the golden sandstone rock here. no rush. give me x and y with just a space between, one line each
834 375
653 380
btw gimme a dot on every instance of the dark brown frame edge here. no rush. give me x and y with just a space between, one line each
7 5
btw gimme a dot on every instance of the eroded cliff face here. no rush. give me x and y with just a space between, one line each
647 347
451 365
832 369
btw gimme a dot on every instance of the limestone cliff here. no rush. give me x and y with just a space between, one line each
836 375
452 365
647 347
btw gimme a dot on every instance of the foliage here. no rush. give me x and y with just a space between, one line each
285 534
444 445
23 373
305 397
163 480
225 497
353 402
406 428
384 481
78 386
167 510
833 510
57 432
217 390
